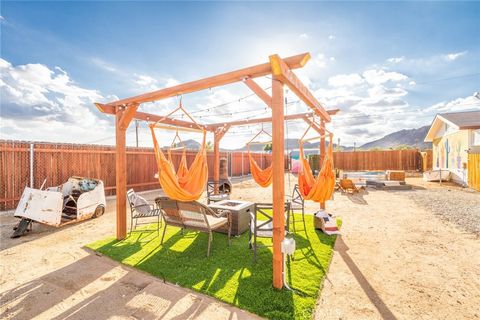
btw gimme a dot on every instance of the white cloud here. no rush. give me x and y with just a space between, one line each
170 82
304 36
145 82
103 64
454 56
331 37
379 76
459 104
396 59
381 91
346 80
37 100
321 60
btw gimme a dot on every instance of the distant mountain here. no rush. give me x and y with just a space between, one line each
411 137
290 144
189 144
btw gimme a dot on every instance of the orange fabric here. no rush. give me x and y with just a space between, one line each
261 176
321 188
187 184
182 169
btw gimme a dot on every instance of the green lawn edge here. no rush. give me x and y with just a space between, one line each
230 275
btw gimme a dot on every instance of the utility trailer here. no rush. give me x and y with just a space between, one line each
75 200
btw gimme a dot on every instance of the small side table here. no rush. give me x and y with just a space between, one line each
240 214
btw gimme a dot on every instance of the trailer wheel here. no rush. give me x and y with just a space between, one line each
99 210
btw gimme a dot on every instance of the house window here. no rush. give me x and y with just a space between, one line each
476 137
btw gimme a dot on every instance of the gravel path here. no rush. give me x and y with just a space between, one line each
461 207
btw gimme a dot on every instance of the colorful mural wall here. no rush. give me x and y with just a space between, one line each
449 152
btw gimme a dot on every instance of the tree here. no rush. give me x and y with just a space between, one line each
268 147
403 147
209 146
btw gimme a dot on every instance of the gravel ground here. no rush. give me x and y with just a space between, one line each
461 207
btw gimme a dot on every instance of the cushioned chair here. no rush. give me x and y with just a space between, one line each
263 227
141 209
194 216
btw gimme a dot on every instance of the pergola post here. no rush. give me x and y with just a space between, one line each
322 152
278 187
281 71
216 161
123 116
217 136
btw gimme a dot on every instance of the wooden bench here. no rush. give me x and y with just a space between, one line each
195 216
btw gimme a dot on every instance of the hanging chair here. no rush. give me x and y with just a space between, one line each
182 169
263 177
187 184
321 188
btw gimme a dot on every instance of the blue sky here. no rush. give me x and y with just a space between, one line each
387 66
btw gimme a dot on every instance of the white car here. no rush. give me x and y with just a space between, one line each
75 200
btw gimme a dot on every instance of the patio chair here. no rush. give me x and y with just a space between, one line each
195 216
347 186
141 209
223 191
263 228
297 204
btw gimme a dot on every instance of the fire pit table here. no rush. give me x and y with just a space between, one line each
240 214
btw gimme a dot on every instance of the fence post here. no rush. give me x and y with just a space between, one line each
242 162
31 165
231 163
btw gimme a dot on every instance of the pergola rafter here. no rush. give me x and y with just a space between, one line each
281 70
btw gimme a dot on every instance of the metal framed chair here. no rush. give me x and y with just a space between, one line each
263 228
297 204
141 209
224 188
194 216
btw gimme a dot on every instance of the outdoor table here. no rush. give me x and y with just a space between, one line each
240 214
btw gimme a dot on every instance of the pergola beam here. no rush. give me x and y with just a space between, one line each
258 91
313 124
153 118
261 120
282 71
127 116
269 119
293 62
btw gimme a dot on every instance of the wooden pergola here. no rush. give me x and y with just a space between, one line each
281 70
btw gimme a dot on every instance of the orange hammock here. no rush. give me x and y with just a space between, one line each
187 184
321 188
182 170
261 176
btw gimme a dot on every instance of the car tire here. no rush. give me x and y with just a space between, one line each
99 211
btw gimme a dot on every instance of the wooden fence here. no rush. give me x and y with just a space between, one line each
29 164
408 160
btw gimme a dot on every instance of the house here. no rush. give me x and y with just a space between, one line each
456 145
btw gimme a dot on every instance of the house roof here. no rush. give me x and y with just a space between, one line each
463 120
458 120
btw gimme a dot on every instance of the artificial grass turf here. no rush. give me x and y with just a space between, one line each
230 274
